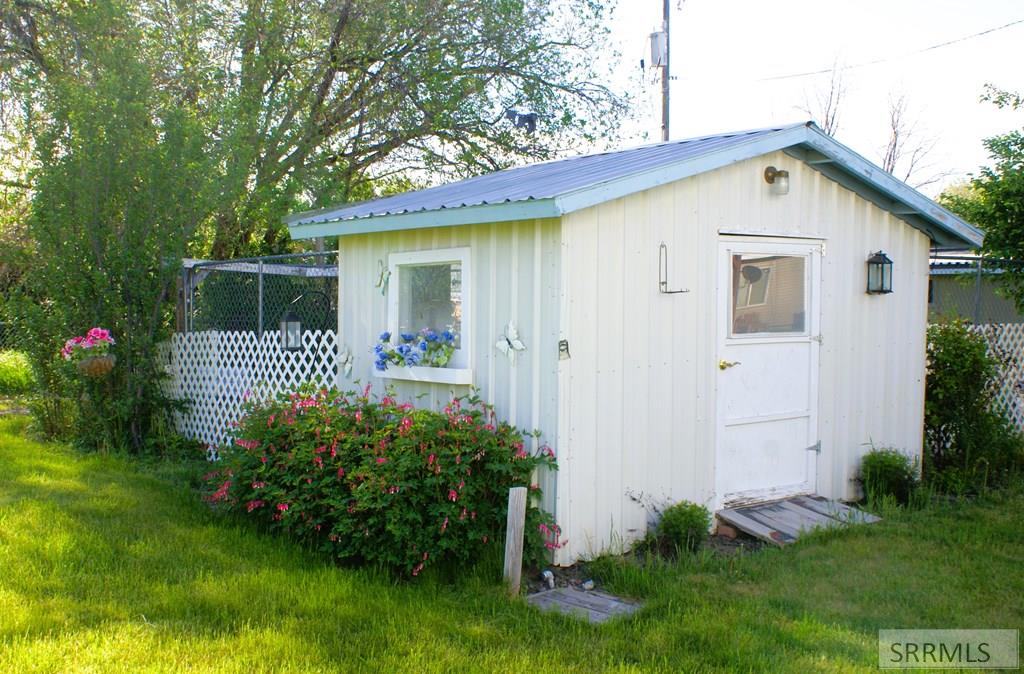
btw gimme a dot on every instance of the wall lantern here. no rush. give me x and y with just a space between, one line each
778 179
291 332
879 274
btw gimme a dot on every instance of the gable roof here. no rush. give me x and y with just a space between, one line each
554 188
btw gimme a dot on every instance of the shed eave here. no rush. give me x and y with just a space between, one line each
944 227
505 211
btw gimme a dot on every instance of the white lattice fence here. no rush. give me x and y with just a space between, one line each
215 371
1006 343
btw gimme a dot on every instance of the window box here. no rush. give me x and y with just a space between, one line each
456 376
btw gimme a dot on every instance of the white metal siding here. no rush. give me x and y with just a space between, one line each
638 395
515 276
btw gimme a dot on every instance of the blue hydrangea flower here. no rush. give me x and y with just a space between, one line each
406 337
448 336
378 349
403 350
423 346
381 365
431 336
412 358
385 336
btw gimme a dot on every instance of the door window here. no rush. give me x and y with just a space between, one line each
768 294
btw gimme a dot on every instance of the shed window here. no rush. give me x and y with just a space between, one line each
768 294
426 291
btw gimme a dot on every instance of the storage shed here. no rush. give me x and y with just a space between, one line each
695 315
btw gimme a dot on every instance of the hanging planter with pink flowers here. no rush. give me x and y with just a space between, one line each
91 353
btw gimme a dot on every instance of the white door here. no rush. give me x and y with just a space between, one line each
768 342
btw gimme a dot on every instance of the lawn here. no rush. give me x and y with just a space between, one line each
106 567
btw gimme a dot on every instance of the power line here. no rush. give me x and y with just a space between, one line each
891 58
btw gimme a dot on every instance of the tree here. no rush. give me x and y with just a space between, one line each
827 103
305 102
907 150
117 194
161 128
995 200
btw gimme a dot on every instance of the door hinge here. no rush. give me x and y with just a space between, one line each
816 338
816 447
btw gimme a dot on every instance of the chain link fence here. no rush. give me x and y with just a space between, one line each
9 337
253 294
967 286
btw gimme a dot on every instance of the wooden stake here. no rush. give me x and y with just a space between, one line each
514 527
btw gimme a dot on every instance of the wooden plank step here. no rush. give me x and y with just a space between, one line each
596 607
782 522
754 527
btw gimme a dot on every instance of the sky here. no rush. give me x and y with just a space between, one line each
731 58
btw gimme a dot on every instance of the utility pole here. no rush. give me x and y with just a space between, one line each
666 7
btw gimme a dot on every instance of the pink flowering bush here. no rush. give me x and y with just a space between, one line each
96 342
370 480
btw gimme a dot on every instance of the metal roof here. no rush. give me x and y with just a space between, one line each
553 188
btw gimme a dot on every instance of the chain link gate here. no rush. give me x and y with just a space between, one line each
227 347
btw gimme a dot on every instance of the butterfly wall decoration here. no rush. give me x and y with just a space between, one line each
509 343
345 360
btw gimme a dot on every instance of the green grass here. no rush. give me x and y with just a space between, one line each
104 567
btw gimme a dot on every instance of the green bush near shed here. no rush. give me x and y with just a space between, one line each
887 473
970 446
15 373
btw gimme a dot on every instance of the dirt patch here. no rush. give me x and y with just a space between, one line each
578 575
730 547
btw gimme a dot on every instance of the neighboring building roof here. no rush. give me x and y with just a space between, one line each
964 262
554 188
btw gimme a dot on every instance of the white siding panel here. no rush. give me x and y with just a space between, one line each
639 391
515 276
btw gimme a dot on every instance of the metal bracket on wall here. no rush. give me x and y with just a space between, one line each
816 447
563 349
663 272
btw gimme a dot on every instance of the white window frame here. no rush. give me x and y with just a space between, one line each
459 369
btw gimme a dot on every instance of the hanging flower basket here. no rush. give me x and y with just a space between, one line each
90 353
97 366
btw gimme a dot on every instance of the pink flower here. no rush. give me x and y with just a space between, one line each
405 425
99 335
453 495
258 485
252 505
381 459
359 416
282 506
444 525
341 473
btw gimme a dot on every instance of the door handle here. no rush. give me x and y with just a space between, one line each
726 364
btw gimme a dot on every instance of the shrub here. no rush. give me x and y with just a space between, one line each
374 481
683 526
969 445
887 473
53 417
15 373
